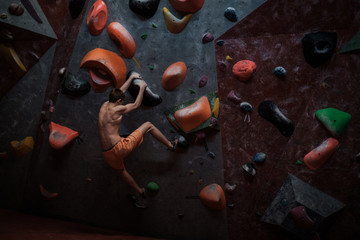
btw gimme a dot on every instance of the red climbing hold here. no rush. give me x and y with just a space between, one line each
60 135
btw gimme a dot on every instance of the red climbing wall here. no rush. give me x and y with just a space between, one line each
271 36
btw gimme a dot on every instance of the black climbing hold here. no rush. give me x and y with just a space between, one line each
74 86
245 107
319 47
220 43
280 72
144 8
182 142
249 168
75 7
269 111
150 99
230 14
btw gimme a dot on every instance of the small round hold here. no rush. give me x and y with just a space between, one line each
280 72
249 168
182 142
16 9
4 16
213 122
230 14
284 202
222 66
260 157
212 155
245 107
207 37
220 43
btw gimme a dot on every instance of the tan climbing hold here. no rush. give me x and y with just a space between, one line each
123 39
194 115
213 196
174 75
108 62
174 24
23 147
216 108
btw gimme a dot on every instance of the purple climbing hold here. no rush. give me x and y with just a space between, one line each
260 157
230 14
203 80
232 97
222 66
207 37
213 122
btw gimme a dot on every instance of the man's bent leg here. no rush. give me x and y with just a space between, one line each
148 127
130 181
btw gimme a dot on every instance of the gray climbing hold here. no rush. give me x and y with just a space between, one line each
230 14
249 168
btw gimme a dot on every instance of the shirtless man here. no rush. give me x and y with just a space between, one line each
116 148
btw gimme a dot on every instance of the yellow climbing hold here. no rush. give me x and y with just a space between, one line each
173 24
22 148
216 108
228 58
9 55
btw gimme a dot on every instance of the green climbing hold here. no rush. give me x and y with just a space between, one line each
299 162
334 120
192 91
352 45
151 67
153 186
144 36
154 25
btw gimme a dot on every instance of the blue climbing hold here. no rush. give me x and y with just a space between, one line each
212 155
220 43
260 157
280 72
230 14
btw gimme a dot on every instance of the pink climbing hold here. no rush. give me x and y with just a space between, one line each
207 37
244 69
203 80
232 97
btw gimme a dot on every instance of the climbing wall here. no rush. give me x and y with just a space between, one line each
88 189
271 36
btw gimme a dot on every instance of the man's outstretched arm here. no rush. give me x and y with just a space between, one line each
123 109
128 81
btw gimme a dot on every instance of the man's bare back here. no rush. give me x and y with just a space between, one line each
109 125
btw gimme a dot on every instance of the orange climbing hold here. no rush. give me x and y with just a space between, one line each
187 6
244 69
123 39
97 17
108 63
98 81
174 75
319 155
60 136
213 197
194 115
23 147
46 194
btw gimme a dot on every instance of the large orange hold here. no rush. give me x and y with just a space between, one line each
174 75
60 136
107 62
187 6
244 69
123 39
213 196
319 155
194 115
98 81
97 17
